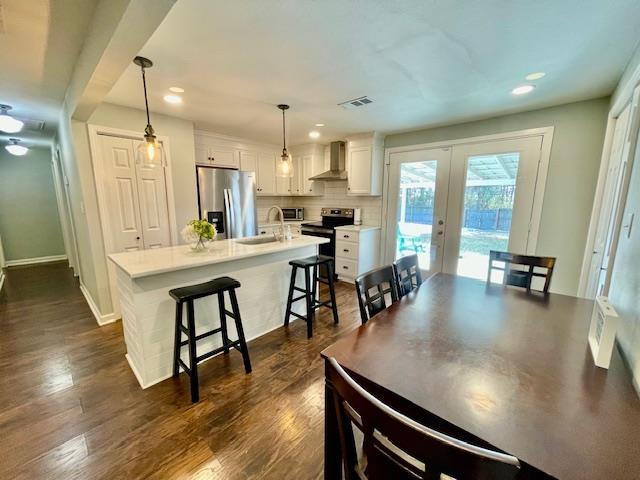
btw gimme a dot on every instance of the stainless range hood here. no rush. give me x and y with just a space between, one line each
336 164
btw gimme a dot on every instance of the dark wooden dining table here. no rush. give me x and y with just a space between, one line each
500 368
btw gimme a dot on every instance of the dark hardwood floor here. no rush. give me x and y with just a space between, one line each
70 407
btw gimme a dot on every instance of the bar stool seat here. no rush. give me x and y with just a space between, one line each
205 289
187 295
311 266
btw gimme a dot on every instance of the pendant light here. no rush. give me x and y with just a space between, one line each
9 124
150 152
14 149
285 165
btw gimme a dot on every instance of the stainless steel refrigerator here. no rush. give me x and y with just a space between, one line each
227 199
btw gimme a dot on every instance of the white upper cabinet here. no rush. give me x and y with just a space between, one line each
308 160
214 155
365 160
248 161
266 174
296 181
224 157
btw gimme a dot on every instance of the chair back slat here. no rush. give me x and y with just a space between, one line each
394 446
520 270
383 282
408 275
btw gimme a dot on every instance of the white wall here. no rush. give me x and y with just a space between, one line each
573 172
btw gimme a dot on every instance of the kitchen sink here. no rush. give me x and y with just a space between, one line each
257 240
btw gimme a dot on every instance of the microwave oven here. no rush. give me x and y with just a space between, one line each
293 213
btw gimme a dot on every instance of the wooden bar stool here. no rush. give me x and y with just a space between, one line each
186 295
311 266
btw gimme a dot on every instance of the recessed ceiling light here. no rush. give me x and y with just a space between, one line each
14 149
173 98
319 124
522 89
176 89
314 134
535 76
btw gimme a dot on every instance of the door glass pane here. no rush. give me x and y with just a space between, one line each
416 197
488 204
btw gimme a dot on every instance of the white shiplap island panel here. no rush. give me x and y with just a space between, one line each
148 312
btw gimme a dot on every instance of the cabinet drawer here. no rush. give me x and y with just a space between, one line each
347 235
348 268
346 249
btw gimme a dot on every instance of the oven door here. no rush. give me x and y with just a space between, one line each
327 249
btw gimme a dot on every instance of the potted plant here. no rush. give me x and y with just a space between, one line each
198 234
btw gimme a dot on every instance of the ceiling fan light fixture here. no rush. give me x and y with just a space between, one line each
285 165
150 153
8 124
15 149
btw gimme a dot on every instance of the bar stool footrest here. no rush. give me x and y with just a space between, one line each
217 350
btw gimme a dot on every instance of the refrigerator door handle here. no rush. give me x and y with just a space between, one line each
229 213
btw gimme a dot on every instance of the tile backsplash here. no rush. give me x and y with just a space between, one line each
335 195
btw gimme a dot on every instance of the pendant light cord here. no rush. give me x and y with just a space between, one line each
146 102
284 139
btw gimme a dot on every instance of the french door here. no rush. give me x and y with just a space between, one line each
452 206
417 203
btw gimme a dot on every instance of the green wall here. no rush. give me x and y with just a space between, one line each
29 220
573 172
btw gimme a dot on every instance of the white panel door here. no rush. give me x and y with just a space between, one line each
610 199
154 210
121 191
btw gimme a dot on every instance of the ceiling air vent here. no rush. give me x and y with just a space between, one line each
33 125
356 102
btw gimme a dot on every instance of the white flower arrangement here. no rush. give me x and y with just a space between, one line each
198 233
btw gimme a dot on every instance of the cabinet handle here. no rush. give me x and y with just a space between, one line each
137 238
345 236
345 250
345 267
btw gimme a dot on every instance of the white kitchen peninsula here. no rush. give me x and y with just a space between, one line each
145 277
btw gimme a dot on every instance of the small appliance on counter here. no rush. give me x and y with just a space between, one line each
357 216
331 218
293 214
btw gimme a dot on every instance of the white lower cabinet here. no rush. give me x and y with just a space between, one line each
357 250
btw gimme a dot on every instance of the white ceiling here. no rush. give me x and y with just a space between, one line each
423 62
39 44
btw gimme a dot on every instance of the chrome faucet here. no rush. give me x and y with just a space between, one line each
281 237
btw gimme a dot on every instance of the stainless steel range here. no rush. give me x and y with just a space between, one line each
331 218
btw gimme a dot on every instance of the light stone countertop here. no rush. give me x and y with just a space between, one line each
144 263
357 228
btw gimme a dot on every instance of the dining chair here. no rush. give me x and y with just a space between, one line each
395 446
383 282
407 272
525 269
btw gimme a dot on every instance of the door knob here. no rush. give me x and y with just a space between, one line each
137 238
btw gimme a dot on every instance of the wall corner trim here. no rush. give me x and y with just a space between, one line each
100 318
